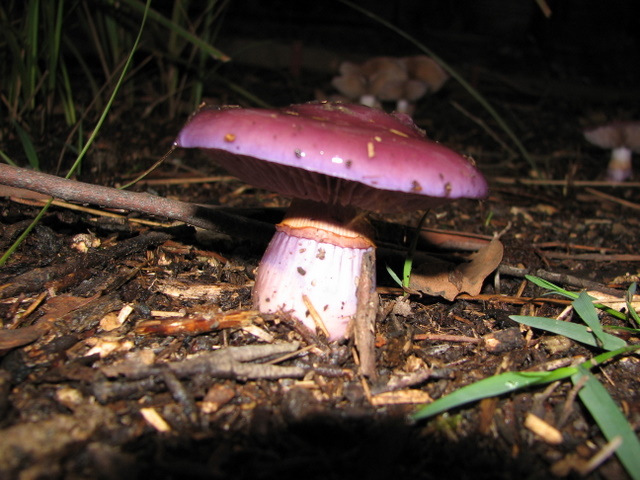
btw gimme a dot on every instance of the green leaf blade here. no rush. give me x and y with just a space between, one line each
489 387
610 420
574 331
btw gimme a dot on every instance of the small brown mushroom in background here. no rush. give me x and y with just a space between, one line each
378 79
425 76
387 79
622 138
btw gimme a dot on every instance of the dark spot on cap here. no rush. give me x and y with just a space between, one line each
415 186
301 271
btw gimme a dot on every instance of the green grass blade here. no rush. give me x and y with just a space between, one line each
53 44
14 246
165 22
574 331
394 276
571 295
509 382
629 299
6 158
547 285
408 262
28 147
32 27
491 387
107 108
610 419
583 306
16 79
66 96
92 137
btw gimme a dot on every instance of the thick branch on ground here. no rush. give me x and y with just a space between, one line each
70 190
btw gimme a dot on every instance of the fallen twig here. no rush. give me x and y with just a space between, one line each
558 278
563 182
611 198
365 318
70 190
194 325
224 363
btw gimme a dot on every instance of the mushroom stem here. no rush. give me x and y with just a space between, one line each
314 258
619 168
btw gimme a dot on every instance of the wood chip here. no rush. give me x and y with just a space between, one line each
400 397
154 419
548 433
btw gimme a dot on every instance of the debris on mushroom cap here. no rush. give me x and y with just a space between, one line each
335 153
615 134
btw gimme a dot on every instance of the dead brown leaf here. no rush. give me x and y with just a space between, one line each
445 279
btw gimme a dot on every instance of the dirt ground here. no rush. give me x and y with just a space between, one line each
99 382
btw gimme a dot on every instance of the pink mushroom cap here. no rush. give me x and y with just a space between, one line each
335 153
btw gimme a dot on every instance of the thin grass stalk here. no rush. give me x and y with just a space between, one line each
14 59
89 76
32 28
174 48
107 108
95 36
53 48
159 18
114 35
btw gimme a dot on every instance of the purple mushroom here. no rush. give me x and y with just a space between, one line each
621 138
336 161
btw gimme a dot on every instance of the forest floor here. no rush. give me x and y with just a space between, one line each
98 387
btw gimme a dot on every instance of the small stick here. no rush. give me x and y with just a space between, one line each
611 198
446 338
70 190
365 317
564 183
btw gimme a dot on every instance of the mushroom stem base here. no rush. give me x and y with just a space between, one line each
619 168
308 276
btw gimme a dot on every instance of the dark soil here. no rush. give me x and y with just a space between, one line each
78 398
